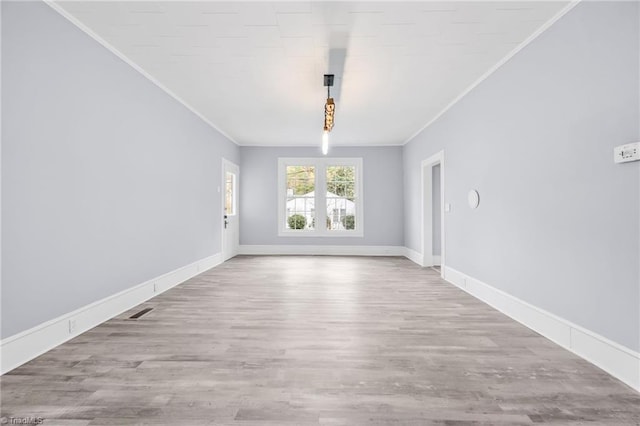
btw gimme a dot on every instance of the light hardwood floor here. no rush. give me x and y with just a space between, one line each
315 340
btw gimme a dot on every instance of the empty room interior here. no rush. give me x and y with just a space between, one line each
320 212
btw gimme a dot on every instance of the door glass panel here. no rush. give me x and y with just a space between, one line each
230 194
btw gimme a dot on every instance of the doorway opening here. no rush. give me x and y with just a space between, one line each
433 208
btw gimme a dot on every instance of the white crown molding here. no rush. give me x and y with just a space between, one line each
27 345
617 360
499 64
55 6
133 65
317 145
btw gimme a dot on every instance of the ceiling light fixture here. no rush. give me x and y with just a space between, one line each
329 111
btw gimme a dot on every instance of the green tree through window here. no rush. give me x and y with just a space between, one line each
341 181
301 179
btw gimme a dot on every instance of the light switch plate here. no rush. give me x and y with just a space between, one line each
626 153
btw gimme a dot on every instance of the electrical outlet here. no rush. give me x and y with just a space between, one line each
626 153
72 326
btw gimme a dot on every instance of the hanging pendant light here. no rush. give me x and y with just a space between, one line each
329 111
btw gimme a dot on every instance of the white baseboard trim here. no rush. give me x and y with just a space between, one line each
417 258
617 360
29 344
322 250
413 256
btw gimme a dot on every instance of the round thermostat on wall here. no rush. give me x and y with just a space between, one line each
474 199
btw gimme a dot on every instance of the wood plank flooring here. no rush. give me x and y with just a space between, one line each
315 340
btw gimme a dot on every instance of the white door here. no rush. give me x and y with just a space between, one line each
230 222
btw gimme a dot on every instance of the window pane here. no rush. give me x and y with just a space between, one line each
341 181
229 194
341 197
300 197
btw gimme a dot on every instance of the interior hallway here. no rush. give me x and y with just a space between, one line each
315 340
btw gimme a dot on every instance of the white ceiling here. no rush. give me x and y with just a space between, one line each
254 69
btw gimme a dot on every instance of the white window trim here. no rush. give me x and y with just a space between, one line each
321 215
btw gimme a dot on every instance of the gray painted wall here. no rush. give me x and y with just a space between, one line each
382 188
107 181
558 222
437 215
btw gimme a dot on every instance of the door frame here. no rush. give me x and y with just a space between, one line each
223 181
426 175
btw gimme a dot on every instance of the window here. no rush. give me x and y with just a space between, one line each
305 184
